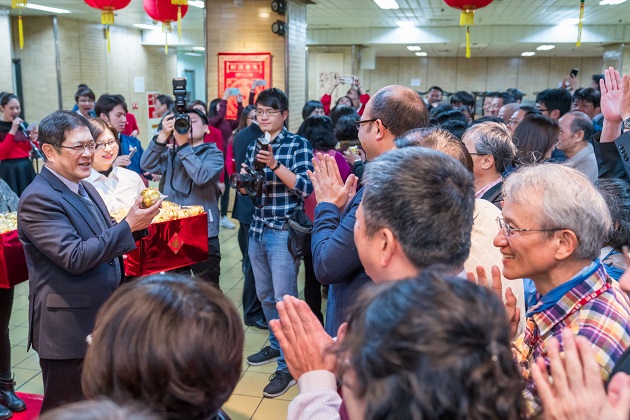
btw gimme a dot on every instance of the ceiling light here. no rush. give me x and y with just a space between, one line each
421 54
406 24
569 22
199 48
263 15
413 48
611 2
197 3
387 4
193 54
528 54
46 8
148 27
545 47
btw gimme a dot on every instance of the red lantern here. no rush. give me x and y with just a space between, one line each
167 11
467 17
108 7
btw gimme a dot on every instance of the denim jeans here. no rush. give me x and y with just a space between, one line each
275 271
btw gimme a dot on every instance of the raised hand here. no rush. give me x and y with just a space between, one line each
611 95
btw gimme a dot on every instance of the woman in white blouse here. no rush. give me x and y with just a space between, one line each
119 187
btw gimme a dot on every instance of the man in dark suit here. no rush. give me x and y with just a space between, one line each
244 212
73 252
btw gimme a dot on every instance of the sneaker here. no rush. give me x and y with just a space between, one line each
227 223
266 355
279 383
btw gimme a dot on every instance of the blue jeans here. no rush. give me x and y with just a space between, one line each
275 271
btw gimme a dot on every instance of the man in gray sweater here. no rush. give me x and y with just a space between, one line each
191 169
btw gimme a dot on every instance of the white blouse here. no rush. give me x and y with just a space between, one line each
118 190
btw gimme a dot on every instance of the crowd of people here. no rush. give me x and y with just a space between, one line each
473 266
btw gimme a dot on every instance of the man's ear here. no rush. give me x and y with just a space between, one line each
49 151
555 114
487 162
104 116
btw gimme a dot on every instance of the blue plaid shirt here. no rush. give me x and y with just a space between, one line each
280 200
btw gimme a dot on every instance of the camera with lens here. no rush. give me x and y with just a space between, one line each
253 181
182 120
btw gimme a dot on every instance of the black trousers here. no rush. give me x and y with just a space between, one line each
6 305
209 270
225 198
252 310
62 382
312 289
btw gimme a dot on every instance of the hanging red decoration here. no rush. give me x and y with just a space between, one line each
467 17
107 15
166 11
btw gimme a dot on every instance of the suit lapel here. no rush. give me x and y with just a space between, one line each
73 199
98 201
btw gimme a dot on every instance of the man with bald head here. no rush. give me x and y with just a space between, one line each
391 112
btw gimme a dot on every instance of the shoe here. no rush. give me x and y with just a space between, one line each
5 413
8 397
261 324
279 383
266 355
227 223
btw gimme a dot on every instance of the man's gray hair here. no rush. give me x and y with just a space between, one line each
581 122
494 139
568 200
426 199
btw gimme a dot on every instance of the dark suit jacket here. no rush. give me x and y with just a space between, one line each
70 262
494 195
243 206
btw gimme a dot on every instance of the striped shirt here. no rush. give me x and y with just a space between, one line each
604 321
280 200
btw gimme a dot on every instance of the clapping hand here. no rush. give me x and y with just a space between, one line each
513 313
327 183
611 88
305 344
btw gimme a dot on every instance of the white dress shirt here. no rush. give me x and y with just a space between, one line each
119 190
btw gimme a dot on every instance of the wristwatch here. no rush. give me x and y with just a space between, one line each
626 124
276 167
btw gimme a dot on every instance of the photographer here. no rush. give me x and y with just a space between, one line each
286 159
191 169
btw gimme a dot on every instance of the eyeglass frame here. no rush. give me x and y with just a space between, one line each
79 149
507 229
97 146
269 113
358 123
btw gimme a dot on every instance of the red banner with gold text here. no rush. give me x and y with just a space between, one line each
238 70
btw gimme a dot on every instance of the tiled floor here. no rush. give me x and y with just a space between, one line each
245 403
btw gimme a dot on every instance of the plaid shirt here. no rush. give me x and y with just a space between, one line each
279 200
604 321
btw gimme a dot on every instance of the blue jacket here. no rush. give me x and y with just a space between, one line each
336 260
125 143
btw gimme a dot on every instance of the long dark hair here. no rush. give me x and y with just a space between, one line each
534 137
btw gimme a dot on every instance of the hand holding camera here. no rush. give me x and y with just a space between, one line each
265 155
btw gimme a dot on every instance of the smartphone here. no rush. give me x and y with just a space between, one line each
574 72
132 151
346 80
233 91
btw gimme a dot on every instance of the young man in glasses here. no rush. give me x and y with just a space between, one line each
286 159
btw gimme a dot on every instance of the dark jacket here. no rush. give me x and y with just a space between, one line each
243 206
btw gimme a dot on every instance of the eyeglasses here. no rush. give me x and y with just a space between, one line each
542 109
99 146
80 148
270 113
86 101
358 123
507 229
